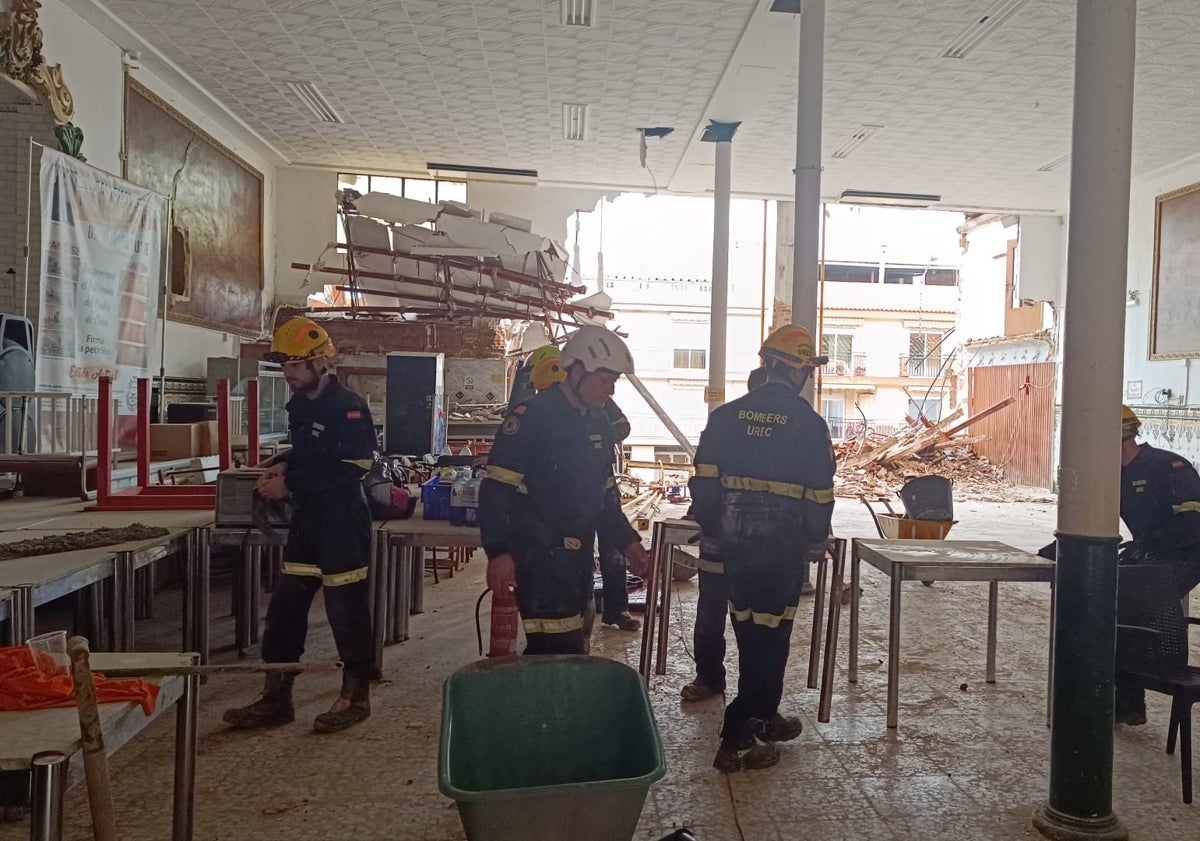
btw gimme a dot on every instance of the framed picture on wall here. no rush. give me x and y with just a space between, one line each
1175 289
216 257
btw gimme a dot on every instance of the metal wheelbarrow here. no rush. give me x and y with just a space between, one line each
893 526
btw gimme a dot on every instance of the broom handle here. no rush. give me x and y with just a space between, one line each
95 760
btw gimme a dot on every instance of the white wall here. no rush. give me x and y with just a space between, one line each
93 71
982 283
1154 375
306 223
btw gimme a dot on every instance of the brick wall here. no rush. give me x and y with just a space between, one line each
474 339
19 122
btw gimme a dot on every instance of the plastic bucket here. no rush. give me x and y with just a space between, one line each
548 748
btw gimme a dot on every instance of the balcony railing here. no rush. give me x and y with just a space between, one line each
920 366
847 365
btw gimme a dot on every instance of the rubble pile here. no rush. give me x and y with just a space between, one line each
877 467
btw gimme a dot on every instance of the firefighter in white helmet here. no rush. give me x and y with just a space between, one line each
550 491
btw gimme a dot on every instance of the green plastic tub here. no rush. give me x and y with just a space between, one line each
549 748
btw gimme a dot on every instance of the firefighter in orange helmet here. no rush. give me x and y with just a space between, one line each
329 540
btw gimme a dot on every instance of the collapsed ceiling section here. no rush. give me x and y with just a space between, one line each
441 262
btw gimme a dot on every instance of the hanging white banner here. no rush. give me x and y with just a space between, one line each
100 279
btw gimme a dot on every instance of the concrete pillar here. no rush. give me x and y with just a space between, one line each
721 136
806 257
1081 742
785 234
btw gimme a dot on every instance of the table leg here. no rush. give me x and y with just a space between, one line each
814 646
21 621
47 786
94 599
664 621
404 559
190 596
256 592
394 588
831 636
123 602
389 593
855 597
241 617
380 607
993 612
203 593
418 579
893 668
652 578
186 710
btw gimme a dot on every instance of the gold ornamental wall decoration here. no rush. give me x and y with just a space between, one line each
21 59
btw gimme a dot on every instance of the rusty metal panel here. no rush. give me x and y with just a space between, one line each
217 242
1021 436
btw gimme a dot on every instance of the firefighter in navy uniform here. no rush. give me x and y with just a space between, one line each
763 488
550 490
329 542
1160 505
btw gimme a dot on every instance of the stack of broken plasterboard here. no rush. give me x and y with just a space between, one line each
461 265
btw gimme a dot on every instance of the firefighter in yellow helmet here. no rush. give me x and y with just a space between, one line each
1160 505
329 540
763 489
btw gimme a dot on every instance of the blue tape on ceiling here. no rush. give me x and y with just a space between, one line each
657 131
719 132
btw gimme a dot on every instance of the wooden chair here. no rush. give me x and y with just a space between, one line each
1152 651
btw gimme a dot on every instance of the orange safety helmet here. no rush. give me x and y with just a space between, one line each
792 345
297 339
544 369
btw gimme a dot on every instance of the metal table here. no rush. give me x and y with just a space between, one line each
940 560
666 535
42 578
26 734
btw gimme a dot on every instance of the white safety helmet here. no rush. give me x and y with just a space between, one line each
597 349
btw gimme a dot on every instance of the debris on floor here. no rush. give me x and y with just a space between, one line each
878 466
74 540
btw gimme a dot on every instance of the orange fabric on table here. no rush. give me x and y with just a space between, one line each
23 687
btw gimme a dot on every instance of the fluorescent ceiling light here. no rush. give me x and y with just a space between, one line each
1054 164
888 199
857 138
315 102
985 25
788 7
574 119
467 172
578 12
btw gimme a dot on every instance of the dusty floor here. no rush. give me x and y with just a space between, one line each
968 761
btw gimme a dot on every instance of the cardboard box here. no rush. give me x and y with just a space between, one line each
208 438
169 441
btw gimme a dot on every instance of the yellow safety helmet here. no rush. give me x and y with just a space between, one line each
1130 423
792 345
544 370
299 338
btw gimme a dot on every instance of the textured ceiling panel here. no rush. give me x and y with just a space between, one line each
483 82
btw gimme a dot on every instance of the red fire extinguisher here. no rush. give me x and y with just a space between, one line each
505 617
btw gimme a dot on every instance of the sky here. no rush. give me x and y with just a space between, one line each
671 236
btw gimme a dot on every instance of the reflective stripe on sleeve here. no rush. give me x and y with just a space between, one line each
553 626
506 477
707 471
715 567
1184 507
364 463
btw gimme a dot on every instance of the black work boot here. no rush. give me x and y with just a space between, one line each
274 707
623 622
353 705
698 690
747 751
783 728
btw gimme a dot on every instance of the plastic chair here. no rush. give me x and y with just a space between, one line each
1152 650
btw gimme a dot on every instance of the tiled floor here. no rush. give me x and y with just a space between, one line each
968 761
